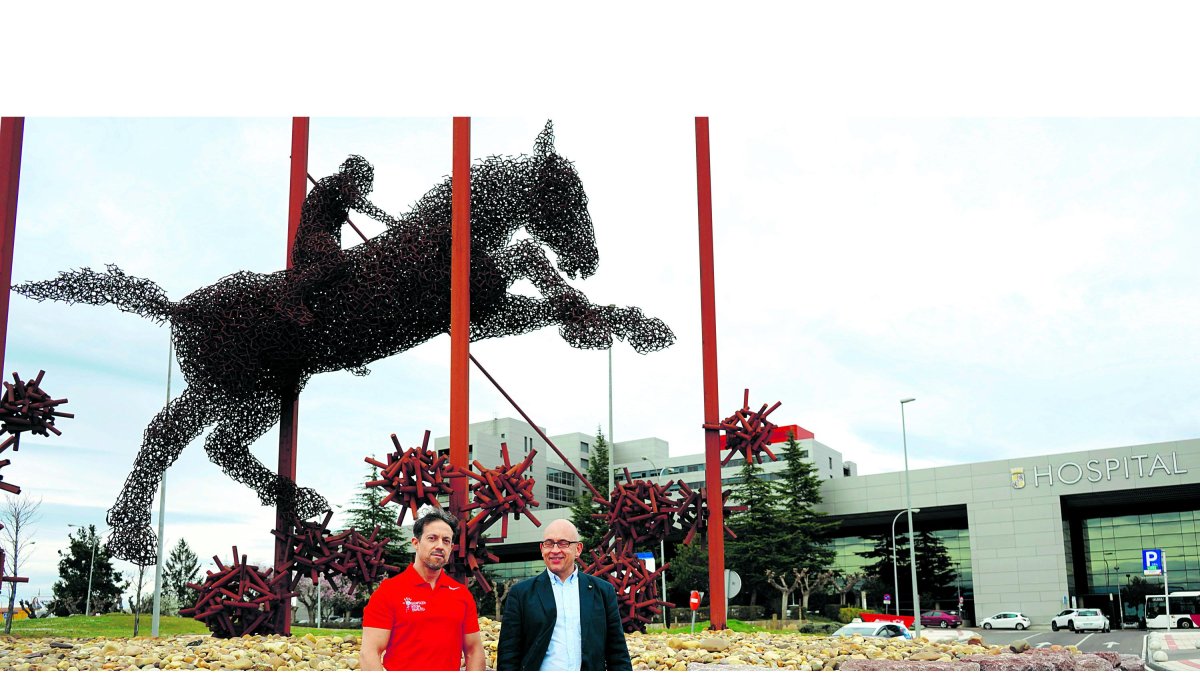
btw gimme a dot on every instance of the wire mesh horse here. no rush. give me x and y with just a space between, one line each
241 353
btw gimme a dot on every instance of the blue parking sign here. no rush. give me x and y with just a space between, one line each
1152 562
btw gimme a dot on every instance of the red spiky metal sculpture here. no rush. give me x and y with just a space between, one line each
26 407
419 476
240 599
747 432
412 477
637 588
349 554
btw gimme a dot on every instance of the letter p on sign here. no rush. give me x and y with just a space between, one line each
1152 562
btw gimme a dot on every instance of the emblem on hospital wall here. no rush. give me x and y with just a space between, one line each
1018 478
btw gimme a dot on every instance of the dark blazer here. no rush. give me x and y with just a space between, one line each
529 616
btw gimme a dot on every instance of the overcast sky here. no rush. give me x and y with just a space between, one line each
1030 280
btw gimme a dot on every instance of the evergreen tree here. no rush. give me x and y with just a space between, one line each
935 572
592 530
71 589
366 514
799 488
760 529
182 566
688 572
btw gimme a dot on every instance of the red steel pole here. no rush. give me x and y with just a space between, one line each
712 415
12 133
460 307
290 405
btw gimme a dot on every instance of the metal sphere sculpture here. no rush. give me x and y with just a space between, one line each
249 340
747 432
26 407
354 557
240 599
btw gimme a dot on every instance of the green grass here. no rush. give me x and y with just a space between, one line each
733 625
121 625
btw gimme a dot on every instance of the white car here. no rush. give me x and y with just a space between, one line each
1089 619
1015 620
1064 619
882 629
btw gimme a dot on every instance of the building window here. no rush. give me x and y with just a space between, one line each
583 448
831 462
554 492
564 477
583 463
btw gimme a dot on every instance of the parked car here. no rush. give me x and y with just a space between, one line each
1015 620
1089 619
940 618
883 629
1064 619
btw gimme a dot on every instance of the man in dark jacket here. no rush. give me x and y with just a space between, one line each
563 619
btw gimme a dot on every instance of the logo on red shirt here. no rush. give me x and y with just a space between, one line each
411 605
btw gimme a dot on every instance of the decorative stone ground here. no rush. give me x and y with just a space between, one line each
703 651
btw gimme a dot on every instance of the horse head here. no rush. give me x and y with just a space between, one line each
558 215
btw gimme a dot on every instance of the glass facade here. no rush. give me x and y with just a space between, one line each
956 541
1112 548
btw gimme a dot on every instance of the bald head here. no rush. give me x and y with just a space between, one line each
561 529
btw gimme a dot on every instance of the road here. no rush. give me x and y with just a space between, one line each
1128 641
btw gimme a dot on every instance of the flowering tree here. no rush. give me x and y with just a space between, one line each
335 598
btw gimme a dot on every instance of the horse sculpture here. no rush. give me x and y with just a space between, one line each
249 340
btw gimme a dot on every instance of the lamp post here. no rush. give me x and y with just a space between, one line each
1120 604
912 540
895 570
87 611
1106 578
663 543
612 450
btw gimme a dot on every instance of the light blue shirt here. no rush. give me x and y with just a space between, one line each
566 642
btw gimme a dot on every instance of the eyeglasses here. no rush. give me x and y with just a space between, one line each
561 544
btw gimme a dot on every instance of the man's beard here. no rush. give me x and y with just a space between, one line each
434 563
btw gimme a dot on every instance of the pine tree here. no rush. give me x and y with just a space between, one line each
688 572
592 530
799 489
760 530
70 591
182 566
935 572
366 514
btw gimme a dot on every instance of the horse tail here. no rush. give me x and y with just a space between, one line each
130 294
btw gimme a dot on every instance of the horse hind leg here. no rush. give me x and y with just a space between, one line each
228 446
176 425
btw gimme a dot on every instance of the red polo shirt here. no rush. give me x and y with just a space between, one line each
427 623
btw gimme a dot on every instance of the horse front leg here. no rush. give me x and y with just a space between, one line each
582 324
178 424
244 420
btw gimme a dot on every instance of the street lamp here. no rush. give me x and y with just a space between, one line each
1106 579
662 543
1120 603
895 572
87 611
612 451
912 540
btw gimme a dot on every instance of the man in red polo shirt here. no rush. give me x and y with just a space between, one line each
422 619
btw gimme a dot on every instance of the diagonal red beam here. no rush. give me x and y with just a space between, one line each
712 415
536 428
12 133
460 307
